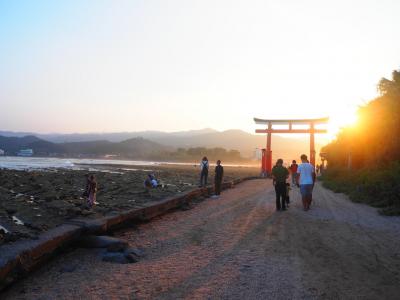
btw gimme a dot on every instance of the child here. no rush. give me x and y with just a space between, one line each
287 194
219 174
92 190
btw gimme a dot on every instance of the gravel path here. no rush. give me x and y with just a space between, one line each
238 247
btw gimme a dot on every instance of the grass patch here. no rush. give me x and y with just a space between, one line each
378 187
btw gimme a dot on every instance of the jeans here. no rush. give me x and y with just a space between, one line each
203 177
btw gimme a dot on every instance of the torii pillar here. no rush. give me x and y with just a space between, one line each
266 165
268 152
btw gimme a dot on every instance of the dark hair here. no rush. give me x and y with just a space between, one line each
303 157
293 161
205 158
218 161
279 161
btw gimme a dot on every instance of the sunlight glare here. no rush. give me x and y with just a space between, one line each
340 120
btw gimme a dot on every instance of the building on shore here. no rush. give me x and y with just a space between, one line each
25 152
2 152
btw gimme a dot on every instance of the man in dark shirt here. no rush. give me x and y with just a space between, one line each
279 176
219 173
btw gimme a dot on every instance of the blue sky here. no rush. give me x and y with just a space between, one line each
88 66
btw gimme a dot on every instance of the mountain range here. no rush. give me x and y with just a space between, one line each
137 144
134 148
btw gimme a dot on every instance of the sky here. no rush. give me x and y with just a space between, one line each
106 66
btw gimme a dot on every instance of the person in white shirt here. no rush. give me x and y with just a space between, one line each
306 179
204 171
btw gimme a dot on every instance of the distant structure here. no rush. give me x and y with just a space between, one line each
266 160
1 152
25 152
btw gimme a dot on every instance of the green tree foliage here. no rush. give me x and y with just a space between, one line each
375 139
212 154
197 153
374 144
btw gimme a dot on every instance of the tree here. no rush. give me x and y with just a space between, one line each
375 140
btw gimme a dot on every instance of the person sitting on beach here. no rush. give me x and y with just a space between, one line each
92 190
150 181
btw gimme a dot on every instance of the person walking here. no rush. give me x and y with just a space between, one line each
306 179
293 171
279 176
219 174
204 171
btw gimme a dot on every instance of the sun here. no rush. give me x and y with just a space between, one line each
338 120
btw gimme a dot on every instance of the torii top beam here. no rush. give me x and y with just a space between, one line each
291 122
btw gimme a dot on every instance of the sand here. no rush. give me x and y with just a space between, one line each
34 201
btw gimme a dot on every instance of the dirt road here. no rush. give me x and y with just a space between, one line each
239 247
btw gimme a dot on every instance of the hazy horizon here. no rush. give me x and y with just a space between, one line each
320 138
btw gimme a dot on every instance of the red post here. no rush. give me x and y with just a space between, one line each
312 145
269 152
263 163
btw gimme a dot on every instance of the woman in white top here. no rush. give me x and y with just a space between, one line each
203 171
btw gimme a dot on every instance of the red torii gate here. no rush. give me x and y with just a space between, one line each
266 162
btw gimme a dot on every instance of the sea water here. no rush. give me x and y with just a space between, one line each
42 163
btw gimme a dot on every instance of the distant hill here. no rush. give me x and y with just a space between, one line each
111 137
132 148
11 145
285 147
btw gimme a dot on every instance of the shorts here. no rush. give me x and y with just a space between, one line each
306 189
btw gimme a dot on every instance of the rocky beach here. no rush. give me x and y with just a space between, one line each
33 201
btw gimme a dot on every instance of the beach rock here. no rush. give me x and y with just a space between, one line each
117 247
116 257
93 241
74 211
85 212
49 198
68 269
11 211
185 206
134 251
131 258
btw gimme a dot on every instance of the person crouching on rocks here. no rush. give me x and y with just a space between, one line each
91 191
150 182
204 171
219 174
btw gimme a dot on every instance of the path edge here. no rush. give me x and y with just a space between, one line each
19 259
